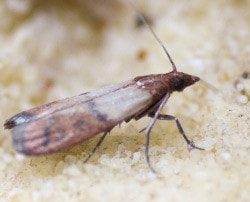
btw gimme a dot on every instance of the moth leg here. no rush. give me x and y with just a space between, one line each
97 146
181 131
149 128
140 131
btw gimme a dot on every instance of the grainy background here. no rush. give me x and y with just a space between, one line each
56 49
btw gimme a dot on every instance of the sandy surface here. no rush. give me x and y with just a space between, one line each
56 49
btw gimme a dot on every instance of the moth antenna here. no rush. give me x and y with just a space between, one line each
143 19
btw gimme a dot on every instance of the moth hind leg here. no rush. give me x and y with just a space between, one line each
96 147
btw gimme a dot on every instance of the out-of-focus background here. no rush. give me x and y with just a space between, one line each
55 49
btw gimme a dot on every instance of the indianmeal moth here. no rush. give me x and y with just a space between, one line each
58 125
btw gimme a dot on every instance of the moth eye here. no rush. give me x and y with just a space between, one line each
179 84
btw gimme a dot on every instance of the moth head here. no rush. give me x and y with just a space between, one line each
182 80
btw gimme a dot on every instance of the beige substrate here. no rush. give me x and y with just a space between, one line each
55 49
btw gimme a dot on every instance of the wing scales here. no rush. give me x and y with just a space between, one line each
64 123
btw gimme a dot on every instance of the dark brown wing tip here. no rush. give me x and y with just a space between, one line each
9 124
18 119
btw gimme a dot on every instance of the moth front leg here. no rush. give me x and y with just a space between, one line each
149 128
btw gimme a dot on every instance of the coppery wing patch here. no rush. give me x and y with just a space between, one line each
46 136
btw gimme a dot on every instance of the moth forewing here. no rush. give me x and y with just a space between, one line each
53 127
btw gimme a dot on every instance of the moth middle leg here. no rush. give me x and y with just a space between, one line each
190 143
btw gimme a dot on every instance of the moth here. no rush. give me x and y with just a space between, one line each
61 124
